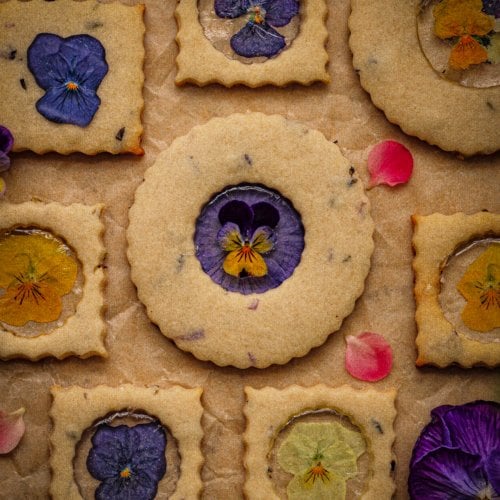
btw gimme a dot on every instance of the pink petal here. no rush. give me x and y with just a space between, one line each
11 429
368 357
389 162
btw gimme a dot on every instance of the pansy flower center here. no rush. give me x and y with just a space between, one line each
317 472
125 473
257 14
71 85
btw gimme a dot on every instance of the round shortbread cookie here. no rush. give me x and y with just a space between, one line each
401 81
257 329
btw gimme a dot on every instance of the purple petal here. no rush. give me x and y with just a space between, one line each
434 435
6 140
231 8
256 40
280 12
239 213
44 61
492 7
492 467
77 107
4 162
264 214
447 474
475 427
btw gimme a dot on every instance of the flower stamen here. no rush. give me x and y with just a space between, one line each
125 473
72 85
317 472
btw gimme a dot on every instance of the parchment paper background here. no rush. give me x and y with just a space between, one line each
138 353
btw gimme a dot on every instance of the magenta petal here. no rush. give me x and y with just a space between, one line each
389 162
368 357
11 430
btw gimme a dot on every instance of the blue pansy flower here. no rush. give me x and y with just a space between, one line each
258 37
457 455
129 461
70 70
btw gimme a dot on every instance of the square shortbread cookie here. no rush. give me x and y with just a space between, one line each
269 410
28 268
71 75
436 239
200 62
77 409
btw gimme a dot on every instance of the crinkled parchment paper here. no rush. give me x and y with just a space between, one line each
139 354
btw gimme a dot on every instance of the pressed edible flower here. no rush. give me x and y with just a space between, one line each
249 239
258 37
368 356
35 272
12 429
6 143
322 457
457 455
480 286
389 162
70 70
463 19
129 461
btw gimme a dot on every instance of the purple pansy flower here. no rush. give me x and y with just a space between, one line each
249 239
70 70
129 461
492 7
258 37
457 455
6 143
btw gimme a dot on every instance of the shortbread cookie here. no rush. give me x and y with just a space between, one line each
331 435
71 75
51 281
457 313
402 82
121 452
250 240
251 42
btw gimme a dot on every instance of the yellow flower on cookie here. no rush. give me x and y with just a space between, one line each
463 19
36 270
480 286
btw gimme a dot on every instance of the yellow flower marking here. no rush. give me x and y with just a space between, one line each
125 473
480 286
72 86
463 18
317 472
35 272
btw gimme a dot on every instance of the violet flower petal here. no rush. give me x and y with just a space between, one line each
264 214
434 435
6 140
475 427
492 467
229 236
491 7
239 213
256 40
76 107
4 162
280 12
231 8
447 474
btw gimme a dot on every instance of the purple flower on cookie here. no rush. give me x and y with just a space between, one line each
70 70
258 37
458 454
249 239
6 143
129 461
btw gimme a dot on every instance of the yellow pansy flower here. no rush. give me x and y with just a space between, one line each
36 270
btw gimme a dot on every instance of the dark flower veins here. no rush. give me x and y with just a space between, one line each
458 454
129 461
70 70
258 37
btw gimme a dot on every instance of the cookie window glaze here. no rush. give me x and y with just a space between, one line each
457 454
36 271
70 70
258 37
129 461
249 239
